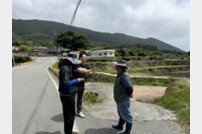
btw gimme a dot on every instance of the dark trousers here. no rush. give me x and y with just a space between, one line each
68 106
79 98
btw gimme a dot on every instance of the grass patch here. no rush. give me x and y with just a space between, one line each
135 81
101 78
90 98
155 67
107 71
21 59
146 68
55 65
145 74
172 59
102 59
179 102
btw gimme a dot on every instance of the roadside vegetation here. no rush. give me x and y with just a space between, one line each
91 98
177 99
21 59
146 68
55 65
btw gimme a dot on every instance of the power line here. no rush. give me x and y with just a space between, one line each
74 14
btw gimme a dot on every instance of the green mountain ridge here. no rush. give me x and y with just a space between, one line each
43 31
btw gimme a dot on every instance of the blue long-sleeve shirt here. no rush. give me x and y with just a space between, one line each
126 82
66 81
125 79
68 84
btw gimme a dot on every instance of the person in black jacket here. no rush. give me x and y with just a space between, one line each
67 91
81 86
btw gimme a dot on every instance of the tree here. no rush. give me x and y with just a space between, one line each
142 54
122 52
188 53
15 43
23 48
131 52
72 40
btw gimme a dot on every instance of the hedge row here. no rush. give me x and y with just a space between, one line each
22 59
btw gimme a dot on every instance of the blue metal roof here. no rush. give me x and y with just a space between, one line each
65 49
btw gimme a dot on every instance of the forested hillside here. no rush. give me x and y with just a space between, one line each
42 33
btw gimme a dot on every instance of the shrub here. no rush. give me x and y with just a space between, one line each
142 54
126 58
23 48
91 98
22 59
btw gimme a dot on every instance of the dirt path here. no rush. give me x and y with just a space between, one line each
141 93
147 93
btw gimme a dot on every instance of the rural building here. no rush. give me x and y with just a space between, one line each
42 51
15 49
102 53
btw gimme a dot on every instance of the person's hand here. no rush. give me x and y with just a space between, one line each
89 72
81 79
132 95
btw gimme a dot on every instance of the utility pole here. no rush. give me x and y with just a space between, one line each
58 47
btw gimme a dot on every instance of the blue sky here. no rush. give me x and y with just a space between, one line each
166 20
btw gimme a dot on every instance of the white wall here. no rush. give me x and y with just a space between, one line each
102 54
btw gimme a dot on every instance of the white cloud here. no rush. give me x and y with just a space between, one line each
166 20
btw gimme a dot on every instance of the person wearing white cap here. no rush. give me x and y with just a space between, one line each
67 91
123 91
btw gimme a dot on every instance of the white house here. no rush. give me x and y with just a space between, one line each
102 53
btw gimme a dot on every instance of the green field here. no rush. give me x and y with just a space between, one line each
136 81
146 68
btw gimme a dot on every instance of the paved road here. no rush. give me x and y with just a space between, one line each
35 101
36 108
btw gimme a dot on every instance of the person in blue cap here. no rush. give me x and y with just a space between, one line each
123 91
